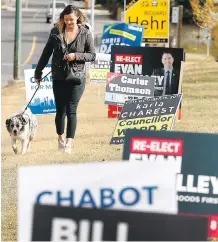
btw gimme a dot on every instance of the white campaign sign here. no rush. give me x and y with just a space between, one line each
43 101
114 185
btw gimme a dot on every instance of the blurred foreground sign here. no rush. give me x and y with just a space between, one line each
53 223
111 185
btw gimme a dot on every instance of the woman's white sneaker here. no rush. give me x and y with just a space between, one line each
67 148
61 145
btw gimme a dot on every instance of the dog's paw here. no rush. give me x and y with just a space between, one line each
15 150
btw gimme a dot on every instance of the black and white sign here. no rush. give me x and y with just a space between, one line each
53 223
124 87
155 113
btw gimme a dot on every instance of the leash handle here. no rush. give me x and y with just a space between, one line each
35 91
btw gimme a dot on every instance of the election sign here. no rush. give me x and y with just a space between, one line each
157 113
110 185
152 61
213 227
114 111
123 87
120 34
43 101
153 15
196 157
53 223
98 71
164 64
35 65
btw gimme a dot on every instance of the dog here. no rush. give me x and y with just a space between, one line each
22 126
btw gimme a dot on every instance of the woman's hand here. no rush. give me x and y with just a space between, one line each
70 57
38 81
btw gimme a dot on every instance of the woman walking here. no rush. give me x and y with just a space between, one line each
71 44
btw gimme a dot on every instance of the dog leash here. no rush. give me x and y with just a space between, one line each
35 92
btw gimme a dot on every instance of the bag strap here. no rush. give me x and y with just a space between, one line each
67 52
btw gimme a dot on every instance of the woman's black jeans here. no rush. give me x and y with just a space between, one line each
67 97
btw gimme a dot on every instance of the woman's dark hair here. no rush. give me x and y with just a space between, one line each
68 10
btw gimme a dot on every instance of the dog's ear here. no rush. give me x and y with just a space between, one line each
23 120
7 122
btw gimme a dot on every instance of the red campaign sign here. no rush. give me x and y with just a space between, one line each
129 58
213 227
112 75
114 111
156 146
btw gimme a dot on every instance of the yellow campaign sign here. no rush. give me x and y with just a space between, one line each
100 74
122 33
153 15
162 122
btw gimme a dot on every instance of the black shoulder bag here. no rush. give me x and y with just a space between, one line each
75 77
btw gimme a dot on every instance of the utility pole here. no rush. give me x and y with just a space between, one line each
17 40
179 25
124 12
53 12
93 17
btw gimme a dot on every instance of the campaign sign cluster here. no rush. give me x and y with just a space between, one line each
120 34
53 223
123 87
195 156
156 113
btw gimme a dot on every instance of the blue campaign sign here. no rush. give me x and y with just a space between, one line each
43 101
34 65
121 34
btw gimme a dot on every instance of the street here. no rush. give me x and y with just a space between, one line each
35 32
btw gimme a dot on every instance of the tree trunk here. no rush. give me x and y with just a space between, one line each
208 43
